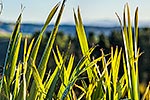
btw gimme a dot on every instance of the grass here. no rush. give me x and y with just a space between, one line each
24 80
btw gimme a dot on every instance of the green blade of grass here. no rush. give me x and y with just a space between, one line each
104 64
23 88
6 90
130 33
38 41
50 81
45 57
43 62
29 51
125 40
60 58
12 41
136 32
24 84
127 50
14 59
66 71
130 54
126 77
17 79
83 40
121 87
137 54
67 74
51 84
125 35
69 68
81 33
115 70
25 50
37 78
56 59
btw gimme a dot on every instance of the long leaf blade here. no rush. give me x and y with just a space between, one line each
38 41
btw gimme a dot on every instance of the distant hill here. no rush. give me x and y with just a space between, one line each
27 28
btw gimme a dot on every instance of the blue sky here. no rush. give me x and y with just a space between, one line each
92 10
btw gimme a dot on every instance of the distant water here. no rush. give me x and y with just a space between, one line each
67 29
